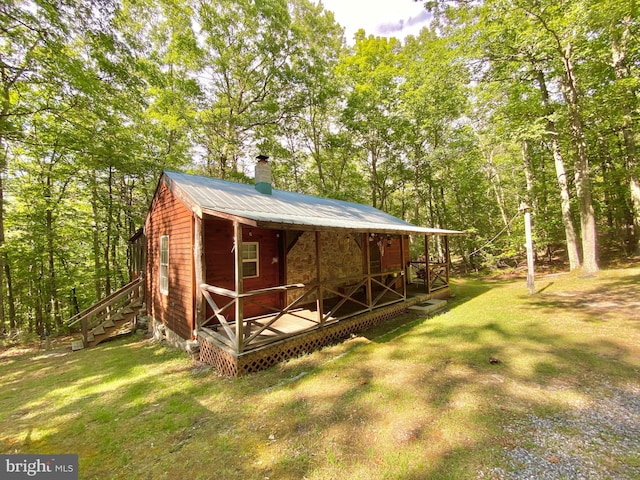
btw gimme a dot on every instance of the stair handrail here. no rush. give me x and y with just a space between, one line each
105 302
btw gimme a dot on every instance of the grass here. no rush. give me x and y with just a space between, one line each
415 398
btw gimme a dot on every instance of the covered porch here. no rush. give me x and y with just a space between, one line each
317 312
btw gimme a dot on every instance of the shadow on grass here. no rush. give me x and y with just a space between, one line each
414 398
465 291
441 414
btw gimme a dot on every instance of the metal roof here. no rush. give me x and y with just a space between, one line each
286 210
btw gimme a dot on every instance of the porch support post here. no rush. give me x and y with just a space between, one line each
403 256
427 266
237 240
282 264
367 262
319 299
199 267
446 256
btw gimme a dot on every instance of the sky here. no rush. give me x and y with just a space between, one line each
388 18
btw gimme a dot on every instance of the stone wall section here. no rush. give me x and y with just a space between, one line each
340 259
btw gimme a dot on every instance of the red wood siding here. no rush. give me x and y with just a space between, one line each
392 257
169 216
218 243
220 264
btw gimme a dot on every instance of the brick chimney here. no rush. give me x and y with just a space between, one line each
263 175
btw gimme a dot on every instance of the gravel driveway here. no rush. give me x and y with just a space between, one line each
598 441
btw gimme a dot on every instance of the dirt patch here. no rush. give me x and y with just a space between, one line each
56 345
620 301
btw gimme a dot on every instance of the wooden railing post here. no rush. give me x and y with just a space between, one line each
367 262
447 255
200 270
427 266
319 301
239 284
85 331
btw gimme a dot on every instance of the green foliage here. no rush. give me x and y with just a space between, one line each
452 128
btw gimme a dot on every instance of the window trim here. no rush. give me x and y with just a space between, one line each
163 277
255 260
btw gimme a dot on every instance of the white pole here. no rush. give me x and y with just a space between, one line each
527 230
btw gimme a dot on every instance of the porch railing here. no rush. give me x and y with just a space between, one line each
218 311
380 289
434 276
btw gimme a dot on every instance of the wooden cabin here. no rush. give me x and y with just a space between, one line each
254 275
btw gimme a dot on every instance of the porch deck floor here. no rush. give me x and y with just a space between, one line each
306 318
288 324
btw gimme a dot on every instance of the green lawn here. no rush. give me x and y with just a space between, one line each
415 398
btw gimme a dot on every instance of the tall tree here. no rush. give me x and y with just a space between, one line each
558 24
245 66
617 27
30 47
512 33
434 98
310 125
372 73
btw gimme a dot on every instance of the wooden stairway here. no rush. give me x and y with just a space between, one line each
111 316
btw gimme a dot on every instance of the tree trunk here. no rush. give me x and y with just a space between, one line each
6 104
528 174
374 179
316 149
39 327
3 256
10 296
561 177
582 175
53 287
619 47
107 248
97 281
634 185
444 217
609 208
416 187
131 227
494 180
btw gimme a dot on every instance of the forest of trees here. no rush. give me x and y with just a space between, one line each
496 103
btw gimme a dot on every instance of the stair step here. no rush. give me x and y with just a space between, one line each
112 314
429 306
137 303
99 330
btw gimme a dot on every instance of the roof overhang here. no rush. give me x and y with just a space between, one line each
313 224
285 216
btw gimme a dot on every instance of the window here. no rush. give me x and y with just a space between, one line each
250 259
164 264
